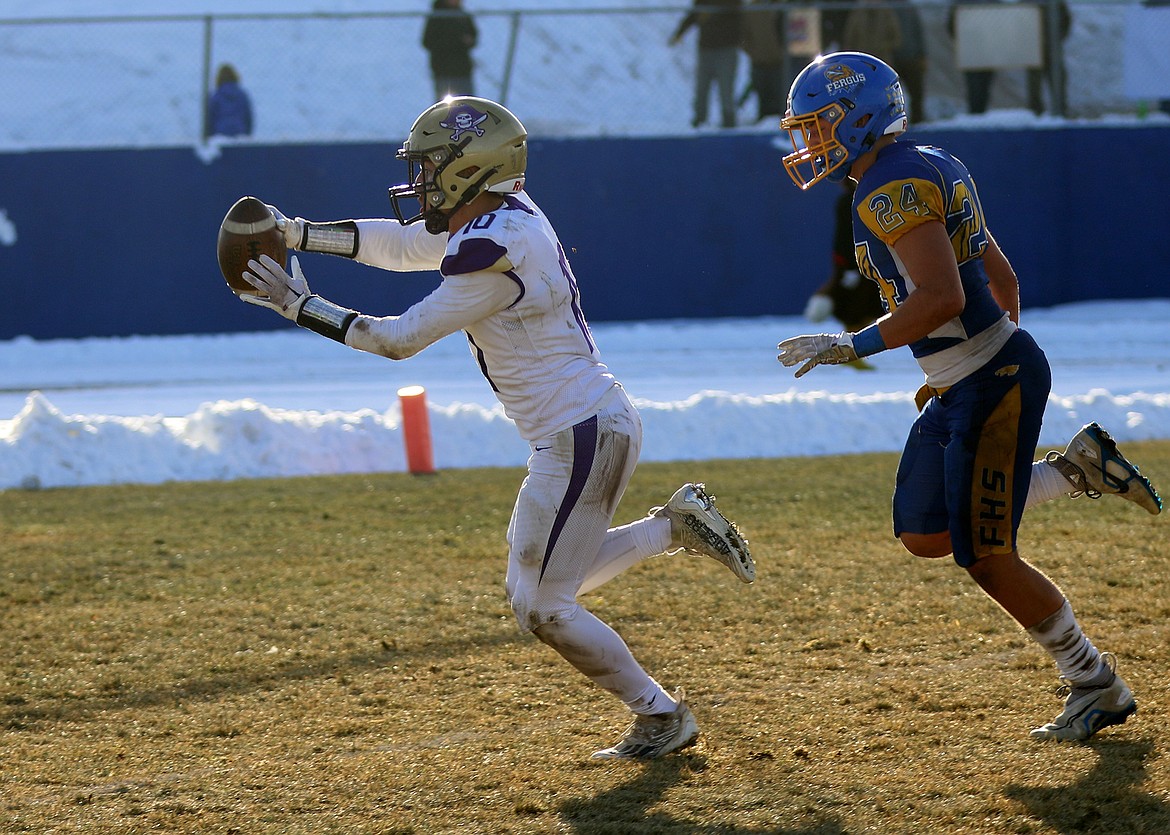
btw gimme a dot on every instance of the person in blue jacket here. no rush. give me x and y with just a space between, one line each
229 110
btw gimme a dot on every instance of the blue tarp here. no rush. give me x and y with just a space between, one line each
121 242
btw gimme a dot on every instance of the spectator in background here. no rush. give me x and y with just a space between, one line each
832 28
872 27
910 60
765 49
449 36
977 82
719 43
1038 75
229 110
1163 104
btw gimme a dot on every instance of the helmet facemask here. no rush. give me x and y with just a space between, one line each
428 186
817 153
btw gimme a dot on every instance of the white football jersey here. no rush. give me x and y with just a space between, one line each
508 286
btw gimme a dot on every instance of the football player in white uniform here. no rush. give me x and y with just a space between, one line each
508 285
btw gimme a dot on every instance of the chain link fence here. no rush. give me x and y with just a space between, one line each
359 77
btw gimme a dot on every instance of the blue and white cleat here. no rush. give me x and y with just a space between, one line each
1089 709
1094 465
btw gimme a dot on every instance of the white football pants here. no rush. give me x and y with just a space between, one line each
560 541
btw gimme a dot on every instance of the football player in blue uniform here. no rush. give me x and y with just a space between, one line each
966 473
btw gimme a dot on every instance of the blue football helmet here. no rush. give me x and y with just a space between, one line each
837 108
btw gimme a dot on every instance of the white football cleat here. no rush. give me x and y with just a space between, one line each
697 527
1093 464
653 736
1089 709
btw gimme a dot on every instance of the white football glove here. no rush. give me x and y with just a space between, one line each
278 290
293 228
818 308
818 349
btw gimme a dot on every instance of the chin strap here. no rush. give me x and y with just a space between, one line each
437 222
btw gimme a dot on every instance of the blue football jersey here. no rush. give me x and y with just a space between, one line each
909 185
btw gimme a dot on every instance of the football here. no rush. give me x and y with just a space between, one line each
247 232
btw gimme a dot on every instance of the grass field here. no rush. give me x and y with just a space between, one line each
335 655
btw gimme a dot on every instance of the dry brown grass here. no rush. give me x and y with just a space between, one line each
334 655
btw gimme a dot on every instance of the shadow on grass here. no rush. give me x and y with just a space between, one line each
1107 800
627 808
23 713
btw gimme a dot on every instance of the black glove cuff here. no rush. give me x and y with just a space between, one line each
326 318
340 237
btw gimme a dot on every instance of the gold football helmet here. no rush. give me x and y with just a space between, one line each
472 145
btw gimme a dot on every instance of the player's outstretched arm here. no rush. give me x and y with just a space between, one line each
337 237
378 242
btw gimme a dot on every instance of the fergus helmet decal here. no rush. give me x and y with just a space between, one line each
841 77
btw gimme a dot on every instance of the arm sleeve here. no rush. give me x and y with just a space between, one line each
390 245
457 303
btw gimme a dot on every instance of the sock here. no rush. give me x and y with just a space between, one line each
1077 660
600 654
1046 484
653 700
627 546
